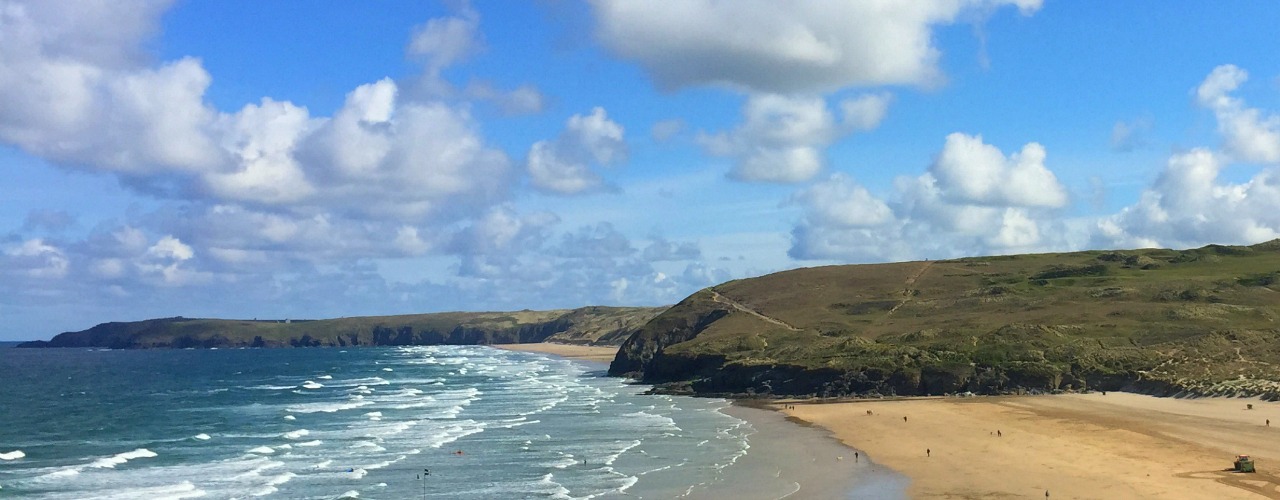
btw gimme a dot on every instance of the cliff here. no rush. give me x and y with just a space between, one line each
588 325
1199 321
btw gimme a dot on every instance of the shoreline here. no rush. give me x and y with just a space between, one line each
787 460
1118 445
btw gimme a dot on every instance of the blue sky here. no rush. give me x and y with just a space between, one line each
246 159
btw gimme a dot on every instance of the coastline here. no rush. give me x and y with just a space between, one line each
1118 445
786 460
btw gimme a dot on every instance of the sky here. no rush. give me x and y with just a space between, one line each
246 159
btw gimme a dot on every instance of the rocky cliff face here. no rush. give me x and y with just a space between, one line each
640 356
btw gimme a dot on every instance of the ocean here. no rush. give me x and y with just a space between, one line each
457 422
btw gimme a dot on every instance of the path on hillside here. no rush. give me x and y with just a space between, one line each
908 294
741 307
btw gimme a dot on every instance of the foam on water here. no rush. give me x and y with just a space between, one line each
326 407
427 398
120 458
12 455
184 489
272 387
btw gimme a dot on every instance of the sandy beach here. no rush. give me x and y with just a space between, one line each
1118 445
1072 446
600 354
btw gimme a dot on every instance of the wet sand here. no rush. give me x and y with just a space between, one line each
1119 445
599 354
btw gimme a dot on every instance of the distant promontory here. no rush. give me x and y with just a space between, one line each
587 325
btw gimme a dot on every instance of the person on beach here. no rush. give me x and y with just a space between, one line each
999 434
904 418
855 457
928 452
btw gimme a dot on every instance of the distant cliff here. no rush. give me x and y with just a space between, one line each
1199 321
588 325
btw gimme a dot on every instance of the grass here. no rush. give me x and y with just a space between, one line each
1169 319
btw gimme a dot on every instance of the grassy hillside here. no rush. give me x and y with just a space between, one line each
589 325
1201 320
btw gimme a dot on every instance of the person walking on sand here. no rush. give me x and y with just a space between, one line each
928 452
999 434
904 418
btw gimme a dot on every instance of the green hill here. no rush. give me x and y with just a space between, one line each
1200 321
588 325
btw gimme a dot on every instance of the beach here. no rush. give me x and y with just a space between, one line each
1118 445
599 354
785 460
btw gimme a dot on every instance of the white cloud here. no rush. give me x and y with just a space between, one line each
842 203
1247 133
444 41
661 249
970 171
170 248
563 166
763 46
35 259
973 200
263 139
1189 205
781 137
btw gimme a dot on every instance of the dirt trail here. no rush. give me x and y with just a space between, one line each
908 294
741 307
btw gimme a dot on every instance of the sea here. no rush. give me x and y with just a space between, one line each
457 422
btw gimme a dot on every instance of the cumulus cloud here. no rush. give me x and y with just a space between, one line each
972 200
661 249
1248 134
35 259
1190 205
842 203
563 166
761 46
66 99
972 172
444 41
976 200
782 137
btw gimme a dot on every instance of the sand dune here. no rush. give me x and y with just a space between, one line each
1073 446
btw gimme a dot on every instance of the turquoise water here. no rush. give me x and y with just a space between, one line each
354 423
